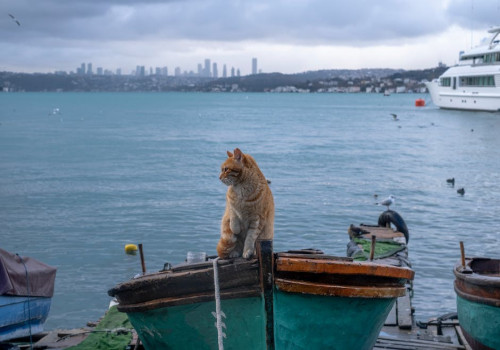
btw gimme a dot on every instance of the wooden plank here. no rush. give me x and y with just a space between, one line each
451 333
461 336
380 232
391 319
414 343
404 312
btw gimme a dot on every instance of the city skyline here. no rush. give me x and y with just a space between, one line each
288 37
208 70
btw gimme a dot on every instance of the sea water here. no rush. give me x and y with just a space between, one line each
84 174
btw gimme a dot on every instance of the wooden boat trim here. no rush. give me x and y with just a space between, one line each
475 277
189 299
477 295
294 286
312 256
168 284
340 267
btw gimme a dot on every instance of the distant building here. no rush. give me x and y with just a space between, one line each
232 72
224 71
206 70
177 71
254 65
89 69
99 71
215 72
82 69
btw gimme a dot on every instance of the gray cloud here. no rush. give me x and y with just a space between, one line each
63 26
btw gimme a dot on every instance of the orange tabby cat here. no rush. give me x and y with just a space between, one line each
249 213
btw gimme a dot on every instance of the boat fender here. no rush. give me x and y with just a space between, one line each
131 249
392 217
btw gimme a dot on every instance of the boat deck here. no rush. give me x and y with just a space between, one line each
401 331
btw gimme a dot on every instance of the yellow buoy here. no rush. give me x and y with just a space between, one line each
131 249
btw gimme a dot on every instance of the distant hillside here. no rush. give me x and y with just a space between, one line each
308 81
318 79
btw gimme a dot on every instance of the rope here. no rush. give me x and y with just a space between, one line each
218 312
29 307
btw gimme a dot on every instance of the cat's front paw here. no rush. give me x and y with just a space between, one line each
234 254
247 254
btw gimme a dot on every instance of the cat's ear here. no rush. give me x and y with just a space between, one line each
237 154
229 154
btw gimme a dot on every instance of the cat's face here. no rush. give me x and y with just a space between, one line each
231 169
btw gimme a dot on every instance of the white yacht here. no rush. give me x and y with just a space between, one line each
474 84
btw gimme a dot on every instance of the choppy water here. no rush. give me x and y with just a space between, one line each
113 169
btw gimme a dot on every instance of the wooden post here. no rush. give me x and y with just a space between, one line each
266 266
462 253
372 247
143 264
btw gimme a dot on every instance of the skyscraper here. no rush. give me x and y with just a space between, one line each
206 71
224 71
254 65
215 72
89 69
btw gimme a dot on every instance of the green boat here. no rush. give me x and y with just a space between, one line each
477 284
176 308
324 302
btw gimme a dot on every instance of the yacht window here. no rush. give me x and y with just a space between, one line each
484 80
445 81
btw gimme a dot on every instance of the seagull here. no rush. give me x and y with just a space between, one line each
395 116
461 191
388 201
14 19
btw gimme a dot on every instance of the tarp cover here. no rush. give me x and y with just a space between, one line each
41 277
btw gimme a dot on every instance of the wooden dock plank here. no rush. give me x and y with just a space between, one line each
396 343
404 312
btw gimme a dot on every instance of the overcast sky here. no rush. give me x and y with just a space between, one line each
287 36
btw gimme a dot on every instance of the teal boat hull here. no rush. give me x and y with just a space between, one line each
480 322
193 326
305 321
477 285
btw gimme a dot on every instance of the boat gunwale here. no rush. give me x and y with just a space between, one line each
349 291
471 285
189 299
340 267
164 284
476 277
471 296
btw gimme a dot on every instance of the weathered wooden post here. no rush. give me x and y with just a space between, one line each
266 265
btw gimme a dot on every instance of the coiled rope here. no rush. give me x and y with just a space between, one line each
218 312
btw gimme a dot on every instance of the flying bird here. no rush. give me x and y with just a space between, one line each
388 201
14 19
